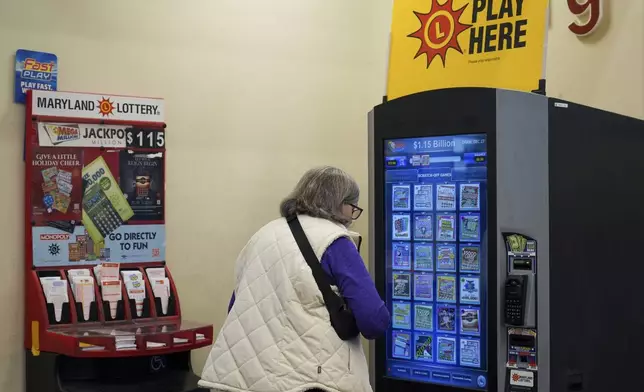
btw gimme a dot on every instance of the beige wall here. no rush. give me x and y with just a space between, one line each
256 92
272 86
605 69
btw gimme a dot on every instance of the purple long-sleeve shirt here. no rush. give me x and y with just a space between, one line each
343 264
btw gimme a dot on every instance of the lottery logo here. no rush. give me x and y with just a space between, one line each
105 107
54 249
439 31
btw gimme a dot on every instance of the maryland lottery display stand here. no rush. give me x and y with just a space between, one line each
102 312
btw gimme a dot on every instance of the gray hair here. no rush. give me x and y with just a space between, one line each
321 193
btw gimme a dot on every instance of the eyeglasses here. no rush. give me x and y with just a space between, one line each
355 211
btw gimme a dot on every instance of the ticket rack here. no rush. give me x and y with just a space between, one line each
126 338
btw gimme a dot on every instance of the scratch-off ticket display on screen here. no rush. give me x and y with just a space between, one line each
435 200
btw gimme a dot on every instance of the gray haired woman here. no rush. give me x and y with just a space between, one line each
278 336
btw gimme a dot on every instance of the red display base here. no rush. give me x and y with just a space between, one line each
158 337
154 333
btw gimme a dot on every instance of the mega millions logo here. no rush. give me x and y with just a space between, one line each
492 28
62 133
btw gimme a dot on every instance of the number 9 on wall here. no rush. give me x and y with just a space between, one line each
589 15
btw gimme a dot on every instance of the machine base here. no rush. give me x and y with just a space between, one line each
50 372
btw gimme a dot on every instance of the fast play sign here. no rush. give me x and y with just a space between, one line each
466 43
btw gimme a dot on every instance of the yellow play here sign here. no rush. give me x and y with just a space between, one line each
466 43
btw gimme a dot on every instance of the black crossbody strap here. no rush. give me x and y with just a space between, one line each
331 299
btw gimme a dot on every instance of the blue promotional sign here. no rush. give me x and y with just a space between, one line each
53 247
136 243
34 71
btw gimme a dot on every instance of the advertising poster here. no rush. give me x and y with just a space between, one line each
55 248
128 244
446 288
470 321
136 243
470 258
446 350
446 227
401 227
424 286
470 197
446 318
470 227
105 208
446 197
81 135
34 71
423 317
470 290
401 198
470 354
438 44
423 227
401 315
424 348
56 186
423 257
401 342
423 197
446 258
401 286
401 254
142 182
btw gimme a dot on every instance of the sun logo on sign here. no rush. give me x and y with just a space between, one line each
439 30
515 377
105 106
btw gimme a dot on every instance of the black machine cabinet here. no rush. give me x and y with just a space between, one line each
565 176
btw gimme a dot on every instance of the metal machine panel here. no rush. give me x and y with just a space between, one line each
522 197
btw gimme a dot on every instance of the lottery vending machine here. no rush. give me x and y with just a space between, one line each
433 205
102 312
496 219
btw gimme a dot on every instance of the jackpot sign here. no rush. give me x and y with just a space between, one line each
466 43
95 106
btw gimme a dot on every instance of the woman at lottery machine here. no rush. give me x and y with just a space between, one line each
278 334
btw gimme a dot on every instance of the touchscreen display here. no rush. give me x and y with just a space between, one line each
436 224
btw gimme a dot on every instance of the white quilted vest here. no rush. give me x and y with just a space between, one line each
278 337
